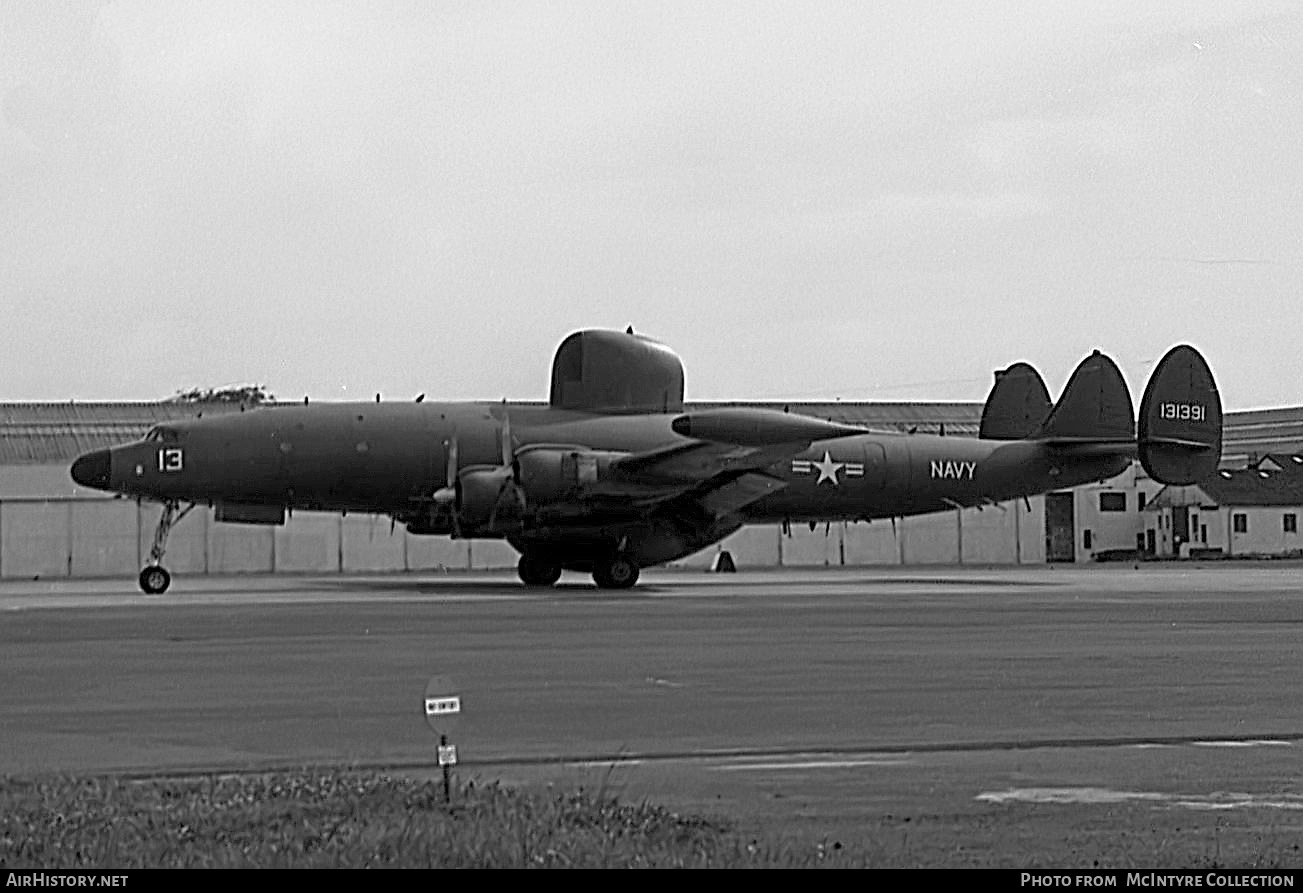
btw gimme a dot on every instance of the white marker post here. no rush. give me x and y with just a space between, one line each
442 710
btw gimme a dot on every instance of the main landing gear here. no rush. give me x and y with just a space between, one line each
155 579
538 569
617 571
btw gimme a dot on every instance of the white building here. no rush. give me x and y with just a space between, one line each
1248 511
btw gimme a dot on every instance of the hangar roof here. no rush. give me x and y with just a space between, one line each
1251 434
48 433
1276 480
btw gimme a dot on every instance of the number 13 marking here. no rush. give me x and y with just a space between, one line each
170 460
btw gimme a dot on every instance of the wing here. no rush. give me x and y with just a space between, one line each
726 463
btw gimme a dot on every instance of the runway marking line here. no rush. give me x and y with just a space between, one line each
1217 800
809 764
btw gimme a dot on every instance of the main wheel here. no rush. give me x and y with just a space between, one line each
536 569
155 579
616 572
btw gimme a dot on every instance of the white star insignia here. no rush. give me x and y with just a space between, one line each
827 469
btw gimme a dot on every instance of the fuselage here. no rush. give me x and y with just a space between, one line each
391 458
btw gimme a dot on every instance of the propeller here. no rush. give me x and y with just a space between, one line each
447 494
510 493
510 498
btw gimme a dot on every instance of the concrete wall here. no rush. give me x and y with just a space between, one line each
1009 533
104 537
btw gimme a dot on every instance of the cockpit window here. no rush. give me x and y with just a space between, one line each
162 434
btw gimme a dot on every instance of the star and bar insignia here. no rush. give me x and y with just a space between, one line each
828 468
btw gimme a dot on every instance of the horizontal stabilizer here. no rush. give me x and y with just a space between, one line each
757 427
1095 406
1017 406
1180 432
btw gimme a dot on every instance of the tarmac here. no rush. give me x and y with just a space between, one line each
820 699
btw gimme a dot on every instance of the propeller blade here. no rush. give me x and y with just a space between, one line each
447 494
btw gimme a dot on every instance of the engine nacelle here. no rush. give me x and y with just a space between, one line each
494 500
560 474
486 497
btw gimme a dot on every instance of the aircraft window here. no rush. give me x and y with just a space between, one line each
163 435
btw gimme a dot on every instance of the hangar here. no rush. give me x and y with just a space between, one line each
51 527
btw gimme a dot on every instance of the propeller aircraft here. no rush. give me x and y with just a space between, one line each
614 474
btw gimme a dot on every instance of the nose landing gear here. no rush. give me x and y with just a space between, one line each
155 579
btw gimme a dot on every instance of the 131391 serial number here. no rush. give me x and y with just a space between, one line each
1185 412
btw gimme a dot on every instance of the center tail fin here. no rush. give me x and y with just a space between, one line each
1095 407
1180 432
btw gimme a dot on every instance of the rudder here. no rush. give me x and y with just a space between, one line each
1180 434
1019 403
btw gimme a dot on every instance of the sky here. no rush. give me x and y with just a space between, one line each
810 201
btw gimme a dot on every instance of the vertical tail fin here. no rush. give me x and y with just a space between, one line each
1019 403
1180 434
1095 406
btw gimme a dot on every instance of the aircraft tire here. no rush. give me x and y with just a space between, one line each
616 572
155 579
537 570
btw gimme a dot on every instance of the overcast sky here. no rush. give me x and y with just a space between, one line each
874 201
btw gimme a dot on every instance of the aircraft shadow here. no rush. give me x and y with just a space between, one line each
454 586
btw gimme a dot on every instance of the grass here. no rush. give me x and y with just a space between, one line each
350 819
329 817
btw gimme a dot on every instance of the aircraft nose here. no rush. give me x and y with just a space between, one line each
92 470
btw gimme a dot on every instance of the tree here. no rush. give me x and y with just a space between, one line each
248 394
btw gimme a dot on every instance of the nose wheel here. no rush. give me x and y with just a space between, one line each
155 579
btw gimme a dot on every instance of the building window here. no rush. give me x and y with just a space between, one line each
1086 540
1112 502
1141 499
1240 522
1291 522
